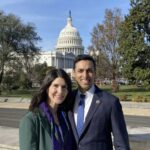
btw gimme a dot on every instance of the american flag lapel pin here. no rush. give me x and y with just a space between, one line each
98 101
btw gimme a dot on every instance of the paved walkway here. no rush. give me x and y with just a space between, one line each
129 108
9 139
139 136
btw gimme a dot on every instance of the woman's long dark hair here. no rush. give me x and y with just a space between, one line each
42 93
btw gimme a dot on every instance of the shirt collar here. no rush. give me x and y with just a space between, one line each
90 91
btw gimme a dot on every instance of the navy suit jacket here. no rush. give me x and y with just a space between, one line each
104 119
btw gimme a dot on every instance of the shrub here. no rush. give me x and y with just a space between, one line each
139 99
124 98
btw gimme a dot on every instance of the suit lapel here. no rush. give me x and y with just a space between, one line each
96 102
73 126
71 116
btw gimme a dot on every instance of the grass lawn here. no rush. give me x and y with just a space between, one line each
126 93
19 93
130 92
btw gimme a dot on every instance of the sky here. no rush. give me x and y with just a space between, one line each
49 16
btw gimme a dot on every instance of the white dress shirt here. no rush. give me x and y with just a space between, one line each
88 100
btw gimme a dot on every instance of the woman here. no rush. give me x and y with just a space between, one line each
45 126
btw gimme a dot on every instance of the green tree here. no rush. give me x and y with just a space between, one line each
17 43
105 39
135 42
103 69
10 80
24 82
39 72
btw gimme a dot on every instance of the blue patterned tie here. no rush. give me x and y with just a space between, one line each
80 115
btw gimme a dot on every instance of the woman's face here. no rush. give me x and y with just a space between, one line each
57 92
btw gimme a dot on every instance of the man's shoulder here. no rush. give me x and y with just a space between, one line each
105 93
74 92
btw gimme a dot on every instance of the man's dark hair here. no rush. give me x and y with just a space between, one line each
84 57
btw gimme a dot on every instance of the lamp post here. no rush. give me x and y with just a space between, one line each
95 54
64 60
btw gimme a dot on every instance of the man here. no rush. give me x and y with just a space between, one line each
102 114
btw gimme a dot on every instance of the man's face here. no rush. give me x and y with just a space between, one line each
84 74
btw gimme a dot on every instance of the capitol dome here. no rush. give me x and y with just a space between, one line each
69 39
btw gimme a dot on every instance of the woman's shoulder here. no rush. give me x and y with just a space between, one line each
31 115
29 123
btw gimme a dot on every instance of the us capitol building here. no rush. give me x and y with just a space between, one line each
69 45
